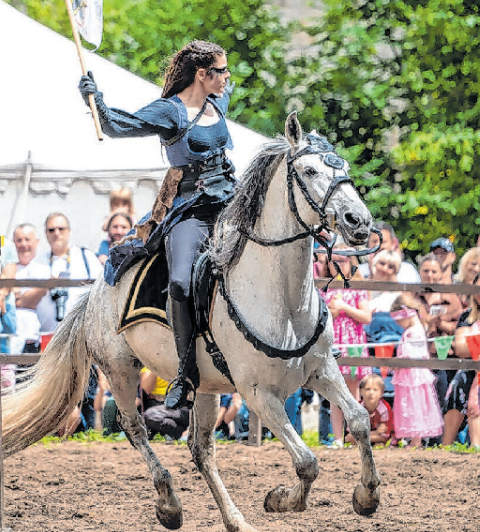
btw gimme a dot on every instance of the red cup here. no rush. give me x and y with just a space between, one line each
44 340
473 342
384 351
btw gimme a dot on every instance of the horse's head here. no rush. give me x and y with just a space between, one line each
322 177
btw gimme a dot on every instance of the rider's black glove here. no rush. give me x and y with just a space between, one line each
88 86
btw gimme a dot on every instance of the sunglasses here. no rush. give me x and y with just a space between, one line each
53 229
219 71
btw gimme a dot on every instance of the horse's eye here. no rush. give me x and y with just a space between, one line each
310 171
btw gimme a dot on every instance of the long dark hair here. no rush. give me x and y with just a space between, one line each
186 62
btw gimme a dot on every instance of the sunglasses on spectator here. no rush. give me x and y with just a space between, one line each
53 229
219 71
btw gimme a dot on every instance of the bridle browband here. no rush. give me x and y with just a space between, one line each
319 146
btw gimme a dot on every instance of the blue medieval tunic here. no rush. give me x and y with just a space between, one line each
207 181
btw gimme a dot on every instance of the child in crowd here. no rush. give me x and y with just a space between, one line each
381 416
416 410
118 225
121 200
230 405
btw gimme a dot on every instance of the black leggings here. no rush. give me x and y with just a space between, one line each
183 245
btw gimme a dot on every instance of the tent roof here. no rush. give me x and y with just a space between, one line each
43 114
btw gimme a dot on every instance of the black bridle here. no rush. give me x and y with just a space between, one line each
318 146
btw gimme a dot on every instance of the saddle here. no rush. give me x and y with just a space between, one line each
147 300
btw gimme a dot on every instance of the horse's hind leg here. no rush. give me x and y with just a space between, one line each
329 382
270 409
123 380
202 447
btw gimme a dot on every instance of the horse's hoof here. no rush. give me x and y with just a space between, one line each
170 521
364 502
275 500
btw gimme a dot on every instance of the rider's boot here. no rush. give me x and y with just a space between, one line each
181 391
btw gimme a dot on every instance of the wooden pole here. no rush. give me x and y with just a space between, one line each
76 38
254 430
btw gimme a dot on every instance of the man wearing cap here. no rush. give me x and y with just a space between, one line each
443 249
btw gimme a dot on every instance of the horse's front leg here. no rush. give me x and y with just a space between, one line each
329 382
202 446
270 409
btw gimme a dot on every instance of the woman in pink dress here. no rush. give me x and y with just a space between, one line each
416 411
350 312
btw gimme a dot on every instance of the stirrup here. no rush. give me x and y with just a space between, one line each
336 353
188 393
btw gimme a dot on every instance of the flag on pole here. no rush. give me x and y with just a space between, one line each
88 15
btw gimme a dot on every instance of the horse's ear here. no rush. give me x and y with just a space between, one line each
293 129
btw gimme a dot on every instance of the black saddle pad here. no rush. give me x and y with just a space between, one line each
147 295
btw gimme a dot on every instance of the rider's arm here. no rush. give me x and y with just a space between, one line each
158 118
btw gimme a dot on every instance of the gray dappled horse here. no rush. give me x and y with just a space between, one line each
263 247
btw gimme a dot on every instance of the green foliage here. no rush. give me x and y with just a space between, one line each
85 437
310 437
401 79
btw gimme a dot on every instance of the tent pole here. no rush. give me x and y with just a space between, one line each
18 211
91 98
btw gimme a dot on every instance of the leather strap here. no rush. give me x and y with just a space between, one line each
185 130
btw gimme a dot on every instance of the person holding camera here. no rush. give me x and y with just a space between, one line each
68 262
64 262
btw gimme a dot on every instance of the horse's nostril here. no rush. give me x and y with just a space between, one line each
361 236
352 219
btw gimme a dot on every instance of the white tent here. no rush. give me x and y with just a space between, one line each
50 157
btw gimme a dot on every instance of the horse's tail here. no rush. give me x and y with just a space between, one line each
41 405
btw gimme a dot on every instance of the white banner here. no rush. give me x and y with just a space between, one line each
88 15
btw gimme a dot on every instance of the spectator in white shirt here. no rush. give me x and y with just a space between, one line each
65 262
28 324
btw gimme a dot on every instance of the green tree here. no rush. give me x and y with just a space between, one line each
396 82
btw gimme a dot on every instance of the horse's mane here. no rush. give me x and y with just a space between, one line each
240 215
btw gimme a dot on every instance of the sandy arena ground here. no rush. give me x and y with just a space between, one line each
107 487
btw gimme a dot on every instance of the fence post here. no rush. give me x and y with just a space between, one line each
254 430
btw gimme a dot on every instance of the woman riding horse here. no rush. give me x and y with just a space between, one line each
190 120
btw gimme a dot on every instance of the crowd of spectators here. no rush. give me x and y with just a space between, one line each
361 319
